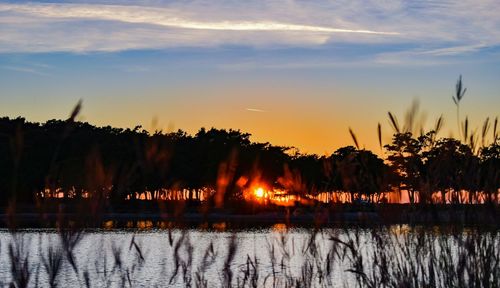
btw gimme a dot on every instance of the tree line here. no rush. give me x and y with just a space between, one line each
79 160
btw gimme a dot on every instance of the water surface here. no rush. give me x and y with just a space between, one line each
267 257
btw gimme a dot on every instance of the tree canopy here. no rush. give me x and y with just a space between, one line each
78 159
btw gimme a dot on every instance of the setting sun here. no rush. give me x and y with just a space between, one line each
259 192
299 143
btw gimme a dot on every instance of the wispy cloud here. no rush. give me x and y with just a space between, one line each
450 28
80 27
427 56
29 70
165 17
454 50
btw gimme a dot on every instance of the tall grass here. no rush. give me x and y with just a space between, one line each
381 256
375 256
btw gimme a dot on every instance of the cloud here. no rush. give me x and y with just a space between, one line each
453 50
165 17
436 29
428 56
31 27
29 70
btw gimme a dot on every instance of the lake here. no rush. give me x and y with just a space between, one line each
264 257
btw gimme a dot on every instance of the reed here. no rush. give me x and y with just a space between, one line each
165 173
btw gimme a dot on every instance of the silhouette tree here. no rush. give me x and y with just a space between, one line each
107 165
490 171
447 166
405 158
359 172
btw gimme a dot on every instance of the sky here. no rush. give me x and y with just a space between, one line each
292 73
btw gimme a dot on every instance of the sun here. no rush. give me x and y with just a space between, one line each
259 192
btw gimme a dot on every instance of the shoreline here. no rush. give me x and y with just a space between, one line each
468 216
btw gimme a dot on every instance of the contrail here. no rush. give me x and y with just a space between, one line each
165 17
255 110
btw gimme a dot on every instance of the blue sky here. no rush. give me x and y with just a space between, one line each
289 72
